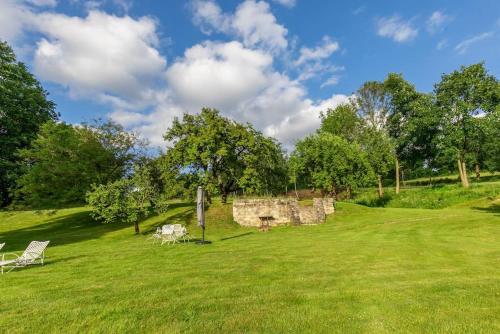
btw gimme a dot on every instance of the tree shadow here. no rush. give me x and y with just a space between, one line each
493 208
184 218
237 236
62 230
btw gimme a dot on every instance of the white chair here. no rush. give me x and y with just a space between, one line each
156 236
34 253
168 234
181 232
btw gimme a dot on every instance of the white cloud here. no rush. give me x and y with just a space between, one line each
252 22
359 10
394 27
218 74
286 3
114 60
463 46
436 21
112 56
43 3
442 44
13 16
331 81
320 52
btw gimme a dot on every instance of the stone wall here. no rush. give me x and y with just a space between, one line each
284 211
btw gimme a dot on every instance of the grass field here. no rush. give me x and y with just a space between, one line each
366 270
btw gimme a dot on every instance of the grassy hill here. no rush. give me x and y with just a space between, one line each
370 270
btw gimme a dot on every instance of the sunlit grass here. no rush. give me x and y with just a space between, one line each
367 270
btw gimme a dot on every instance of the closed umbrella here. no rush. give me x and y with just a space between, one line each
200 213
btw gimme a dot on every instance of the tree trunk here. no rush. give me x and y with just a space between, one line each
380 189
295 187
136 227
224 197
397 176
478 172
348 192
464 171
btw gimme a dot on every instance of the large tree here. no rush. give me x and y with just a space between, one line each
331 164
65 160
462 96
224 156
24 106
342 121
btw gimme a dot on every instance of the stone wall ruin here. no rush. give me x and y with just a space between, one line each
284 211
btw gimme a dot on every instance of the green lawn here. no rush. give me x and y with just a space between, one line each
367 270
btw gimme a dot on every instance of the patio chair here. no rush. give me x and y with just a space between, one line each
168 234
181 232
34 253
156 236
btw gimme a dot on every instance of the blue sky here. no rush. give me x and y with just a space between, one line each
274 63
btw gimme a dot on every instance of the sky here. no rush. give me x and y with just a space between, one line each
275 64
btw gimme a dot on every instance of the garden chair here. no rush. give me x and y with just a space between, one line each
34 253
181 232
156 236
168 234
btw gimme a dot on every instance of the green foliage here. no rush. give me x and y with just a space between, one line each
223 156
331 164
24 106
64 161
342 121
127 200
462 96
436 197
379 150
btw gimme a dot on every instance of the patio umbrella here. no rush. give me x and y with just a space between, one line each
200 213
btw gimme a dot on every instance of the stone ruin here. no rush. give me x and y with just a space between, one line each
283 211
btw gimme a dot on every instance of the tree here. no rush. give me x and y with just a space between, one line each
128 200
372 102
462 96
64 161
406 110
224 156
331 164
342 121
24 106
379 151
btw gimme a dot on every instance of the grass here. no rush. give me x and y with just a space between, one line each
366 270
436 197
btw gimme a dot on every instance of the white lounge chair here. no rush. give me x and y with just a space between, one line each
34 253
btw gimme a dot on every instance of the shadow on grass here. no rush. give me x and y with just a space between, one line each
237 236
493 208
62 230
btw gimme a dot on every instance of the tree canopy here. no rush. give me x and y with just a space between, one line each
24 107
224 156
331 164
65 160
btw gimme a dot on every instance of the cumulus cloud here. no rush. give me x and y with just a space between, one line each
13 17
252 22
218 74
396 28
101 53
115 60
436 21
463 46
